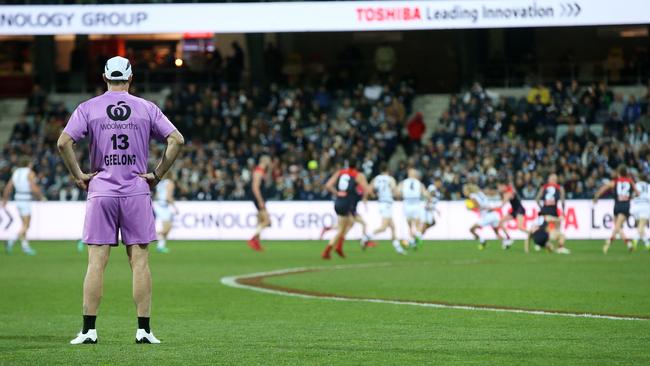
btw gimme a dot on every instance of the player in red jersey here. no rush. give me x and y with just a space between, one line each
366 241
517 210
258 188
624 189
548 197
551 193
343 185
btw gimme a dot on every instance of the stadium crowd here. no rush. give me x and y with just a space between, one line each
481 137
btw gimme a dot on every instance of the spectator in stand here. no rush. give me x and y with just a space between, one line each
539 93
617 108
228 128
632 110
416 128
21 131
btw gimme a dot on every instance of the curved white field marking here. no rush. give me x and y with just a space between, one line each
233 281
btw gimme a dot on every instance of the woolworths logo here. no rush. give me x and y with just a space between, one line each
119 112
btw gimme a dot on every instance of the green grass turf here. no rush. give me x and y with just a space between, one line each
201 321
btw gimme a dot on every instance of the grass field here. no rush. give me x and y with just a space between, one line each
201 321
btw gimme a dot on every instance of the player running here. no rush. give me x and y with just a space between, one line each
165 209
259 188
543 234
119 127
624 189
640 209
365 241
517 210
487 214
430 210
384 186
343 185
413 192
23 183
552 193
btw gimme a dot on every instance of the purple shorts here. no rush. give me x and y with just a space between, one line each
132 216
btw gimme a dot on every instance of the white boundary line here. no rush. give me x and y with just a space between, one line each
232 281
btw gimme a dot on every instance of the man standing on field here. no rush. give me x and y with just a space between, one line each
119 127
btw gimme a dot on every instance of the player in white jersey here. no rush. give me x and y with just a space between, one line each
487 214
640 209
430 210
23 183
384 187
413 193
165 210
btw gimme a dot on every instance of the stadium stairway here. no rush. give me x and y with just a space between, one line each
10 110
431 106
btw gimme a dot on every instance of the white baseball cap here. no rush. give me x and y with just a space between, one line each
117 68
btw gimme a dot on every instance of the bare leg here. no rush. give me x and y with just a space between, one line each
618 224
392 230
22 234
166 228
474 233
139 261
342 225
502 222
385 224
620 220
496 231
520 224
162 236
263 222
641 227
364 227
411 229
94 281
482 242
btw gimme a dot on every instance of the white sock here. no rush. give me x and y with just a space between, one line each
162 242
25 244
481 240
365 237
398 246
646 242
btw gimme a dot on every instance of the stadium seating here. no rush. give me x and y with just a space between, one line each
479 136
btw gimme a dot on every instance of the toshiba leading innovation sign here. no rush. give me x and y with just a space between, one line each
316 16
303 220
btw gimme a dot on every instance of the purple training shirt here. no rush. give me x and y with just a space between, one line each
119 126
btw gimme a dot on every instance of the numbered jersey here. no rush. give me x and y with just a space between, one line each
383 185
346 184
623 188
22 188
550 194
119 127
411 190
